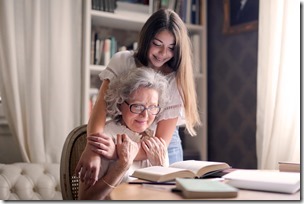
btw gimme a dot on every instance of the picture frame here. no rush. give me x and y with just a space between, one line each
240 16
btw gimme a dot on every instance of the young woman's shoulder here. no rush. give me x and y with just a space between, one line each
119 62
122 57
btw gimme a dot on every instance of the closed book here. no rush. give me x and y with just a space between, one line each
289 166
205 188
182 169
264 180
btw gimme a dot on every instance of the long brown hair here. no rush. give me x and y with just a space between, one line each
181 62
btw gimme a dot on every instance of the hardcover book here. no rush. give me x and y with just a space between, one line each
205 188
182 169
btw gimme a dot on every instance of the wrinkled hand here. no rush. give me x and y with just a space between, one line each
103 145
126 150
156 150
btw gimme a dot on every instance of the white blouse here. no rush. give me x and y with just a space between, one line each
125 60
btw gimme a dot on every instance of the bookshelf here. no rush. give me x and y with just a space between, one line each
125 26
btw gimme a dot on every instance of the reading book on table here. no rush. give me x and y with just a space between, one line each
182 169
264 180
205 188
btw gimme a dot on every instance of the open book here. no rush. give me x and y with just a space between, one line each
182 169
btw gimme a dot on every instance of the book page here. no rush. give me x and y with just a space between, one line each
195 166
159 173
159 170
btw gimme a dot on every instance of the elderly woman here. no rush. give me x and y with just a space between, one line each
133 101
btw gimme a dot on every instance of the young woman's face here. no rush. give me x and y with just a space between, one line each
139 122
161 49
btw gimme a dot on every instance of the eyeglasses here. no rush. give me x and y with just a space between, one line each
139 108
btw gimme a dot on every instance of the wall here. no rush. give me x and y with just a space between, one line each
232 85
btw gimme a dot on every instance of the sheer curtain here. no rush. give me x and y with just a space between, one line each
278 105
40 66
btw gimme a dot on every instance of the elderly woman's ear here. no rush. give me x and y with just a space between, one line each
119 108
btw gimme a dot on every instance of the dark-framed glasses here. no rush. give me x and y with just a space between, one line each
139 108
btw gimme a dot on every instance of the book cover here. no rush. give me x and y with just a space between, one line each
264 180
205 188
289 166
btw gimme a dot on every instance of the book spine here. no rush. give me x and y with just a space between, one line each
107 51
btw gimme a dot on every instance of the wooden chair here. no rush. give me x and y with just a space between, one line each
71 152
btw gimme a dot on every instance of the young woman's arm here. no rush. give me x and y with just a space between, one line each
98 114
89 162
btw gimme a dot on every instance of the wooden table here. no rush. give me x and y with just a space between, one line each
127 191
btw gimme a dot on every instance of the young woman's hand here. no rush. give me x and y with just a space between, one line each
103 145
88 166
156 150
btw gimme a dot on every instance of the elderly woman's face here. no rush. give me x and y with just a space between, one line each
139 122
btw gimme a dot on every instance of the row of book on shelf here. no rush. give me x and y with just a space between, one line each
104 5
103 48
188 10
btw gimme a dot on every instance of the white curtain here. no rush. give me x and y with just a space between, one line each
40 66
278 101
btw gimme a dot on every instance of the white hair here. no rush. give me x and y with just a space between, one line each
126 83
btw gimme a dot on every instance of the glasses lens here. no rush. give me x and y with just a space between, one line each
138 108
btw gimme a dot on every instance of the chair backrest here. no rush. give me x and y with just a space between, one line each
71 152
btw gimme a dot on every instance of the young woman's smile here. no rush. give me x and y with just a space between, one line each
161 49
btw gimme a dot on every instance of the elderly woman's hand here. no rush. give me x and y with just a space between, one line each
126 151
156 150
